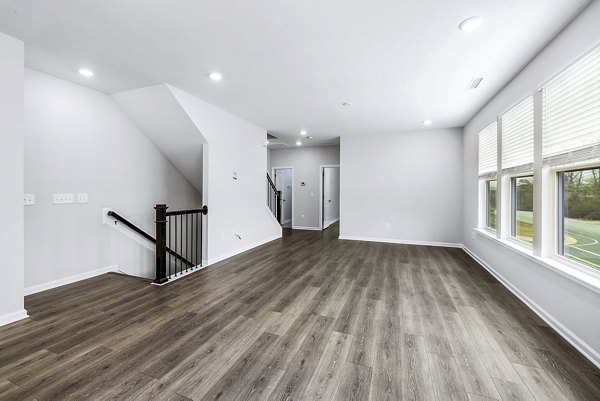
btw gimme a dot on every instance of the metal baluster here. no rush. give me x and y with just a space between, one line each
197 264
169 244
187 248
175 249
181 242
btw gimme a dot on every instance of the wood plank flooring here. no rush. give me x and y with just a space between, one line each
307 317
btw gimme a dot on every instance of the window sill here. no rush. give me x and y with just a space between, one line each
589 280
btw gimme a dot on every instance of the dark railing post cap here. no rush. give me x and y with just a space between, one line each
161 206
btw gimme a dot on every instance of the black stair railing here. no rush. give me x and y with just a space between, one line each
273 199
178 241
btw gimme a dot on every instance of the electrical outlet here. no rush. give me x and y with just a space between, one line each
29 199
387 226
61 199
82 198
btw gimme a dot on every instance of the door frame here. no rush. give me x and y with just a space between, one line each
321 169
275 182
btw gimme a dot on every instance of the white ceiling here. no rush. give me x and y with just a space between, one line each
288 65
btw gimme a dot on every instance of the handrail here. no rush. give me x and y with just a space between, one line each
204 211
129 224
275 209
144 234
271 182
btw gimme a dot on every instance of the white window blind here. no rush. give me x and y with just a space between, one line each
572 113
488 151
517 137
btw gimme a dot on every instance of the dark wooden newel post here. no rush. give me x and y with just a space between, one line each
279 206
161 244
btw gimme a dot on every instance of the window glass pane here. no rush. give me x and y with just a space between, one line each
523 208
581 216
491 189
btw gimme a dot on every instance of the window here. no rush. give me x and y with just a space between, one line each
572 113
491 187
517 138
522 208
488 150
579 215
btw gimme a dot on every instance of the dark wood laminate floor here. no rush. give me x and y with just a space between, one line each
304 317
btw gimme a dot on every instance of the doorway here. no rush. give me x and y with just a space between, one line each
330 195
284 182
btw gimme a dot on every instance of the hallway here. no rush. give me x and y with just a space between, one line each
304 317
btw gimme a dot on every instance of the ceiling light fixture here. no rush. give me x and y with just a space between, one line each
346 104
303 132
470 24
298 143
215 76
86 73
427 122
309 137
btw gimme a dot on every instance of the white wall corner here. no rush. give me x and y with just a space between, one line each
13 317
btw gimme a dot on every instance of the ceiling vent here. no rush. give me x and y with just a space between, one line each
474 83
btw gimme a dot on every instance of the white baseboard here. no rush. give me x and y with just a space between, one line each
567 334
306 228
330 222
13 317
241 250
401 241
68 280
183 274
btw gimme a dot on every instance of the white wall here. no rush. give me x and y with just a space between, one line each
306 162
571 308
11 179
235 205
78 140
411 180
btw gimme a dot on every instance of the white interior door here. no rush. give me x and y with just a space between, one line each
331 195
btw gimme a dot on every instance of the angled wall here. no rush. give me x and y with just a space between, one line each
11 177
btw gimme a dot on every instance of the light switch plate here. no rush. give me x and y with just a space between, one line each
61 199
82 198
29 199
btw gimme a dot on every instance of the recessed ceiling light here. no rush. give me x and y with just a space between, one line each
346 104
298 143
86 73
215 76
303 132
427 122
470 24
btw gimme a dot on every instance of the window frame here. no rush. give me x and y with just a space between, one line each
513 208
558 226
486 222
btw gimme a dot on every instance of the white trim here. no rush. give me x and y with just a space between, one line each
321 167
68 280
273 217
293 188
287 221
402 241
330 222
13 317
567 334
306 228
240 250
